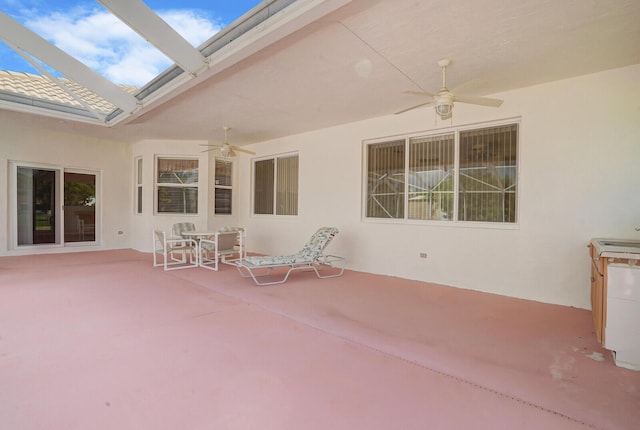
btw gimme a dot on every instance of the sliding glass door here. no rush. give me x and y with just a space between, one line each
54 206
36 208
79 207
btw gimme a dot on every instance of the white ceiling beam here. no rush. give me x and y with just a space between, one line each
58 82
21 37
140 18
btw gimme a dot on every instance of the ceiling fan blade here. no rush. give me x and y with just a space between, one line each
246 151
208 150
482 101
468 86
415 107
215 145
419 93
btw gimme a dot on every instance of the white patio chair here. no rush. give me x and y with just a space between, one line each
227 242
310 258
176 253
180 227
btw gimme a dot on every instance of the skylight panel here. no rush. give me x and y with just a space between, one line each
92 34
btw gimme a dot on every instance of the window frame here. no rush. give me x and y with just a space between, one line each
455 221
275 159
217 186
157 184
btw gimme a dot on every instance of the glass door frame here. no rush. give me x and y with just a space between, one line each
58 209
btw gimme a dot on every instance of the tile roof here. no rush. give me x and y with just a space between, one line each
43 88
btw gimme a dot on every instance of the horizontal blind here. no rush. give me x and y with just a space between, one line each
263 186
223 172
177 185
222 189
287 186
180 200
223 201
139 185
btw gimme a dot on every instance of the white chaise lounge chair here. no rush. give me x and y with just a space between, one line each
310 257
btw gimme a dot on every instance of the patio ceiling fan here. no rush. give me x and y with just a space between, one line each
226 149
444 99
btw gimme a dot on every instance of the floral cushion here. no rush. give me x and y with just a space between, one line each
308 254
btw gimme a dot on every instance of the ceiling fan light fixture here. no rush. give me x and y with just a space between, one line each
444 107
226 152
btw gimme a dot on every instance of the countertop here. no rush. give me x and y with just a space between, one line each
617 248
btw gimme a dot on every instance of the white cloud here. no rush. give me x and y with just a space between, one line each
192 26
105 44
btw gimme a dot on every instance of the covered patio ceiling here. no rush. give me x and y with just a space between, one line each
313 64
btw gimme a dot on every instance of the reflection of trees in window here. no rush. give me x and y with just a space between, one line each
43 185
79 194
36 199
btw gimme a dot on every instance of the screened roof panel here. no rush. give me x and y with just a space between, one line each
70 53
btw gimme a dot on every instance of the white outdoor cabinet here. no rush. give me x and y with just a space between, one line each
615 299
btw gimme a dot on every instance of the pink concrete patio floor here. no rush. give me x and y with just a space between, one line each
102 340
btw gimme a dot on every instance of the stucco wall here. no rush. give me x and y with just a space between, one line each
44 141
578 179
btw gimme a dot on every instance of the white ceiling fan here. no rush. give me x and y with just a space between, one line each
226 149
444 99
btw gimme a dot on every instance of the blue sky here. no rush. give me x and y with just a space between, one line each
86 30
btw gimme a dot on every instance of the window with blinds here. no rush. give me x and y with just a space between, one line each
275 187
461 175
138 192
223 189
177 186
